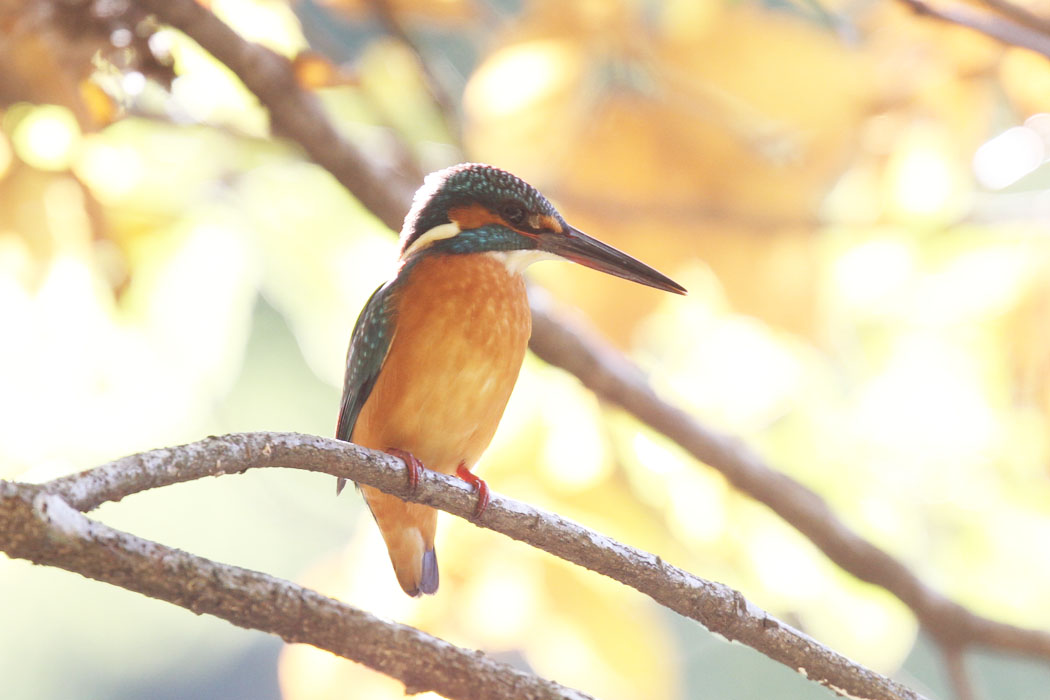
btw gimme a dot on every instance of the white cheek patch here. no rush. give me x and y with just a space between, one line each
437 233
517 260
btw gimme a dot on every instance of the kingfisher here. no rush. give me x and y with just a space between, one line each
437 349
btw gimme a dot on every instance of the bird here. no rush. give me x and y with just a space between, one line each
437 349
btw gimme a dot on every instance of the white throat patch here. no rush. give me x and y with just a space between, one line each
517 260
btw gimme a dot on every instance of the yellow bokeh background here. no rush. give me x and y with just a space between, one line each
855 197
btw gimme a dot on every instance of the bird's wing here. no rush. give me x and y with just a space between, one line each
369 345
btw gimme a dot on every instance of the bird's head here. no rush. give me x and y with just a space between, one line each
476 208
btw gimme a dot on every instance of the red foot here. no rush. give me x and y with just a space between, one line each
479 485
414 466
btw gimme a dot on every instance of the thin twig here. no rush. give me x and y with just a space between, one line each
716 606
990 25
955 662
43 528
442 100
602 368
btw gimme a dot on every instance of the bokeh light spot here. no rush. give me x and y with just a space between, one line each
574 453
112 171
924 176
6 155
923 182
269 23
785 565
489 617
943 415
1008 157
698 507
47 138
868 274
515 77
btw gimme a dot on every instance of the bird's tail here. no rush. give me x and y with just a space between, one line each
408 530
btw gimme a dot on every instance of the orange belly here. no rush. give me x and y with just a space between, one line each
462 330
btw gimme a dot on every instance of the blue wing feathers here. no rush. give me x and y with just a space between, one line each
369 345
368 349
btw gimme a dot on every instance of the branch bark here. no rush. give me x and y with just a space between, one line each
39 525
718 607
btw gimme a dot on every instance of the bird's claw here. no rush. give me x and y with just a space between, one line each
479 485
413 465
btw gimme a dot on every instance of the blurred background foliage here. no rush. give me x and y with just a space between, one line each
856 199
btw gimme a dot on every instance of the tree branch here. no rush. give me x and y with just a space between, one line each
955 663
39 525
1021 15
294 112
614 378
718 607
599 366
996 27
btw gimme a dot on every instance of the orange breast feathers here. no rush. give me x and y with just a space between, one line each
462 330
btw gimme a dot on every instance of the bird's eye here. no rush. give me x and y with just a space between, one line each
513 213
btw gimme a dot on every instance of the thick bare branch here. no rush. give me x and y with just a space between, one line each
38 525
719 608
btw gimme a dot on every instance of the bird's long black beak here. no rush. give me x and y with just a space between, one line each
575 245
